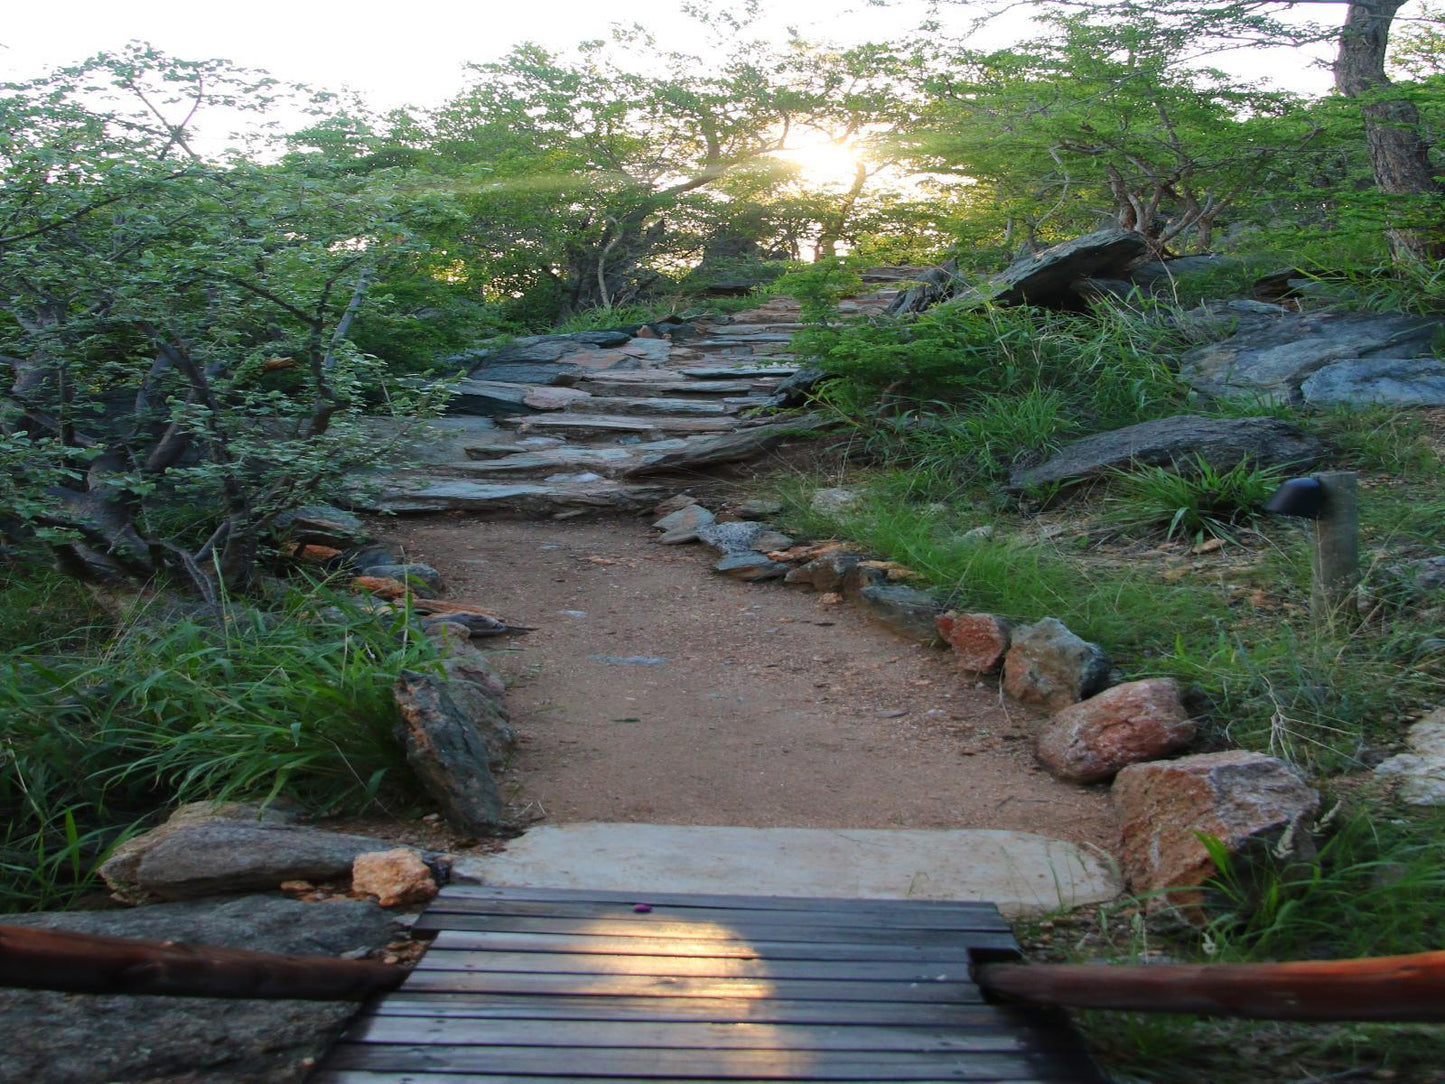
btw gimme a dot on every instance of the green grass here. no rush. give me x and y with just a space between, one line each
174 706
1192 500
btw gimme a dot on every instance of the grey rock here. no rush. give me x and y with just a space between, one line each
628 660
771 541
1161 274
423 579
1047 665
757 508
530 500
521 372
93 1039
835 501
797 389
750 567
858 576
448 754
1048 278
1402 382
1421 771
488 398
684 524
907 611
736 537
1222 442
1274 356
212 857
823 573
324 525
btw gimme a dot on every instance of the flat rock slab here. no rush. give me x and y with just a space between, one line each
653 384
608 424
629 405
1021 872
736 372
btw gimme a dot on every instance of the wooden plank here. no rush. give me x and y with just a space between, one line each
669 946
587 964
894 919
736 931
507 982
697 1036
701 1009
734 1065
739 902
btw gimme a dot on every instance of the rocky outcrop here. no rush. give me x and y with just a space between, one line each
1325 358
1244 800
1221 442
979 641
1138 721
83 1039
1048 666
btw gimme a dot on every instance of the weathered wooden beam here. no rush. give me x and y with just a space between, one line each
1379 988
91 964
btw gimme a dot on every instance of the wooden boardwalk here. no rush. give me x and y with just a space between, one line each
525 986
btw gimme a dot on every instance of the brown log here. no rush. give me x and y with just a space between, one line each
1379 988
84 963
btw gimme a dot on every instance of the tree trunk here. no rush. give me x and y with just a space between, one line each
1399 153
610 272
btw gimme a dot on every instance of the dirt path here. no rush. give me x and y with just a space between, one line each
656 691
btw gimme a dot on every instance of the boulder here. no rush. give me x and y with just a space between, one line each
1048 278
824 573
396 877
1159 276
796 390
1421 771
757 508
1243 799
906 611
979 641
422 579
1221 442
209 857
673 503
1048 666
448 753
553 398
1091 741
85 1039
750 567
1324 357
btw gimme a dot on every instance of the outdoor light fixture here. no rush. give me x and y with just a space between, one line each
1303 497
1329 499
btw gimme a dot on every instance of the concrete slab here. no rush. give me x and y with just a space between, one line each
1022 873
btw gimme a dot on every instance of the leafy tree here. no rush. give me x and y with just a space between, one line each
177 329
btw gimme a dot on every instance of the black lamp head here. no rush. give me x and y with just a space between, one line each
1303 497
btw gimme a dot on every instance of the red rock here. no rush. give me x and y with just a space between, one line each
316 554
381 586
1090 741
979 641
1242 799
394 877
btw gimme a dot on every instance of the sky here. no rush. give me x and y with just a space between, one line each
413 53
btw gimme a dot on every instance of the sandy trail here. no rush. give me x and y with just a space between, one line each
767 708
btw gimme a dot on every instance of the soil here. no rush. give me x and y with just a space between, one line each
654 690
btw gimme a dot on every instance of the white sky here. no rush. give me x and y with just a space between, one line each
400 53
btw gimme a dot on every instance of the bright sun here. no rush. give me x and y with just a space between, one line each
823 163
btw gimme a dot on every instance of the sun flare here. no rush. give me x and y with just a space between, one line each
825 164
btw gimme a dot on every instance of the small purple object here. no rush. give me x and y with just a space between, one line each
642 908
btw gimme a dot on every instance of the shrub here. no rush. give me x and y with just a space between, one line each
1194 500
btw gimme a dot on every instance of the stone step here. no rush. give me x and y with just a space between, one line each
768 338
607 388
1023 873
630 406
727 372
530 500
612 425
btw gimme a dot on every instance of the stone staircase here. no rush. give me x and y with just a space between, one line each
675 397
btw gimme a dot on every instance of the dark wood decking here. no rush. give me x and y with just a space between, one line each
524 986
